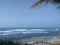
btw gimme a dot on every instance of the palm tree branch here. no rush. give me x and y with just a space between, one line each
37 3
47 1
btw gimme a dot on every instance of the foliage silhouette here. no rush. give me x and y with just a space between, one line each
46 2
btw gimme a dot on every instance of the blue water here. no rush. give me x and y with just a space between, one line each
18 34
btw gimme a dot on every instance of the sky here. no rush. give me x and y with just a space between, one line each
17 13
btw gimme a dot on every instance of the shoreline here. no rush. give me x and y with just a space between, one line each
49 39
37 39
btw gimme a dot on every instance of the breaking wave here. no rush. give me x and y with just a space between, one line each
24 31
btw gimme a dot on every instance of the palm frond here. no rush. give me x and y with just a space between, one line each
37 3
47 1
56 1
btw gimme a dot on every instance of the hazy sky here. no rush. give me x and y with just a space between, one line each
17 13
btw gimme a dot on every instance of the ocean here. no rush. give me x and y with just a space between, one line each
18 33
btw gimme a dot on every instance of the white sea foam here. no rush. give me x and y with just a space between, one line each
57 29
23 31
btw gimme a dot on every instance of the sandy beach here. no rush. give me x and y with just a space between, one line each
48 40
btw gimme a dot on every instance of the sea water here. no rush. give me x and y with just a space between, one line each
18 33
